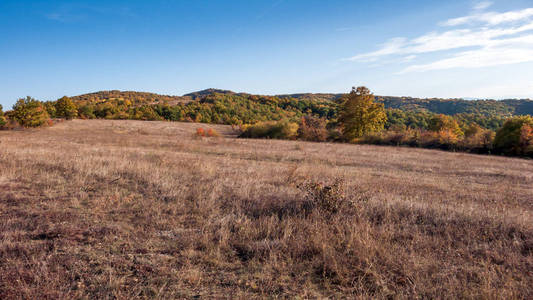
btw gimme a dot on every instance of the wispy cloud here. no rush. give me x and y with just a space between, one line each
491 39
491 18
482 5
393 46
68 13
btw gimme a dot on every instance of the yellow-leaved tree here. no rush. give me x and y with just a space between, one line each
360 115
30 112
65 108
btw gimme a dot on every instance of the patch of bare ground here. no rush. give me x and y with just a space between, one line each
130 209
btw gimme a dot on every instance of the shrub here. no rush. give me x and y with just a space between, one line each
30 112
312 129
327 198
478 141
514 137
200 131
274 130
212 133
393 138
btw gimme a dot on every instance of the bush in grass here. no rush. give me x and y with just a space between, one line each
212 133
200 131
283 129
327 198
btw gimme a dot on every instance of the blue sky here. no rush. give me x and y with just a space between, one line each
404 48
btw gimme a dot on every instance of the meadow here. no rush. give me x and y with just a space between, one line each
136 209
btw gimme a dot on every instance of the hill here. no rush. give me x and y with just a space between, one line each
440 106
227 107
129 209
489 108
136 98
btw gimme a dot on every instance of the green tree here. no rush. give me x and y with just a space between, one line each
30 112
515 137
65 108
360 115
2 118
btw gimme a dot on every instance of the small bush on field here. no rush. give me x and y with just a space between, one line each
200 132
328 198
207 133
283 129
212 133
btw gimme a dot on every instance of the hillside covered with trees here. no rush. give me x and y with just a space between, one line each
453 124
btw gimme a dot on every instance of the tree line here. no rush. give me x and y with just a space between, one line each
354 117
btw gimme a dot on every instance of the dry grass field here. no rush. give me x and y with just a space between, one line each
132 209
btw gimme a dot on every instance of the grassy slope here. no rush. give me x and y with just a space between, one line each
145 209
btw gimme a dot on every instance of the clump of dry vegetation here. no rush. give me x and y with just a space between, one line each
95 209
207 133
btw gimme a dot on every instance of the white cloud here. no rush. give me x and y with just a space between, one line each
409 58
491 18
492 56
479 46
482 5
393 46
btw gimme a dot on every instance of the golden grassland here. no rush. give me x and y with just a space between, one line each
132 209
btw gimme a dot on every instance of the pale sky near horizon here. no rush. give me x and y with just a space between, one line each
419 48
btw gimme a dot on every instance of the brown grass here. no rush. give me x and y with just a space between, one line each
131 209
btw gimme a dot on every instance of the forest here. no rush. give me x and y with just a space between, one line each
449 124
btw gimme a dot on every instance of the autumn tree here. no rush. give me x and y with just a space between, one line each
360 115
440 123
312 129
30 112
65 108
